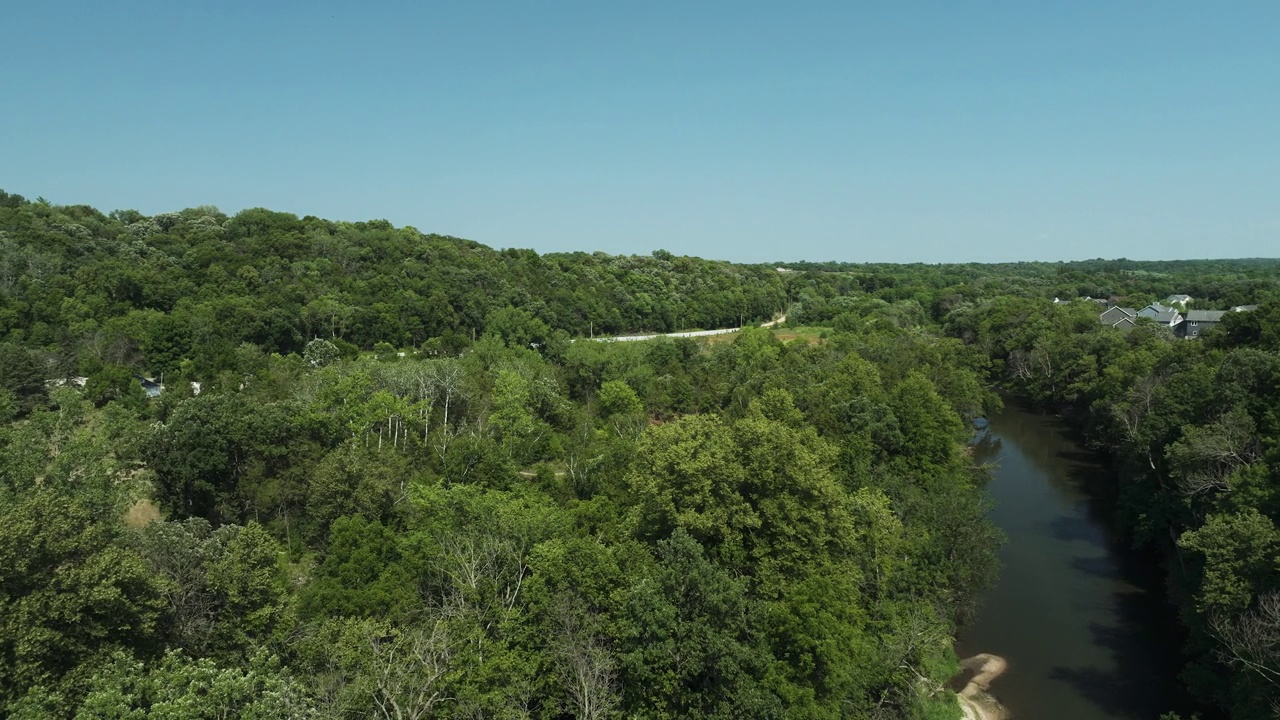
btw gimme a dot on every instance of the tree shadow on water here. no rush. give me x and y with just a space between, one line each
1075 528
1139 681
1130 687
1108 690
1088 460
1102 566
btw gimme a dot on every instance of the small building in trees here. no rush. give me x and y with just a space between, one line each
1161 314
1104 302
150 387
1198 321
1116 314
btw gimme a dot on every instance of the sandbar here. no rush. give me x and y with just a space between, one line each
975 698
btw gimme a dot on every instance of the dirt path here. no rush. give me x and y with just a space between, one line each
975 699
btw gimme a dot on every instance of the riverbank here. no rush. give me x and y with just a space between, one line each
976 700
1080 617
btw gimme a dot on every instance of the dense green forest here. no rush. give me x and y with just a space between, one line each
195 285
1193 430
400 489
365 512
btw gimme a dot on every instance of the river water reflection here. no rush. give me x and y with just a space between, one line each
1080 618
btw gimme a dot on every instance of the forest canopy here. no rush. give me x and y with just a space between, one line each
276 467
380 479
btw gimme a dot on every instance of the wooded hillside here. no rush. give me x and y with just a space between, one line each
366 513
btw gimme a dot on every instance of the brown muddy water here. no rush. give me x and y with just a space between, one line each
1081 618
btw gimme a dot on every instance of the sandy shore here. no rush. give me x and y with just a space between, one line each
975 699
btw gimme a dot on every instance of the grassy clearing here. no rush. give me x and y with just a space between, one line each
807 334
810 334
142 512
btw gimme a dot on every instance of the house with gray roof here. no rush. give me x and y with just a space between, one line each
1161 314
1153 309
1115 314
1087 298
1198 321
1182 300
1126 324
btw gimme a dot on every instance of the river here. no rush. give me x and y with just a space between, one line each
1081 619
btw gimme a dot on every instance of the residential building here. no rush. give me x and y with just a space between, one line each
1198 321
1101 301
1115 314
1161 314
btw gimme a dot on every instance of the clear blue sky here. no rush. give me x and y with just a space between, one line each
746 131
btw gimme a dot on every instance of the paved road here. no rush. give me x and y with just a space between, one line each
689 334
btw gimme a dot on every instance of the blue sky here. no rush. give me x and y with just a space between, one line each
749 131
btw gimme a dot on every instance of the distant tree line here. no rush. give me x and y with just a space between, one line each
150 292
